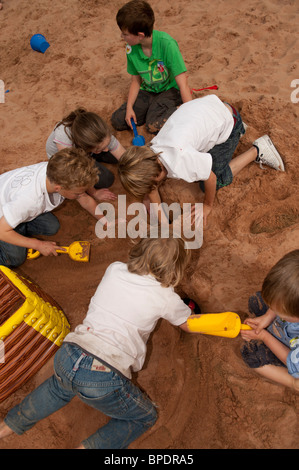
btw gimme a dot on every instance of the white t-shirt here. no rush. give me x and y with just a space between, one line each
188 135
61 135
24 196
122 314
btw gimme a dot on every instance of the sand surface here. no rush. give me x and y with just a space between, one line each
207 397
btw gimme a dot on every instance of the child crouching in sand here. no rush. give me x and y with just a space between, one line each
88 131
29 194
196 143
96 361
272 346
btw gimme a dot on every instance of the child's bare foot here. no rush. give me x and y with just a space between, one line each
1 6
4 430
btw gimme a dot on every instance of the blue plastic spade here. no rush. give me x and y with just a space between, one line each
138 140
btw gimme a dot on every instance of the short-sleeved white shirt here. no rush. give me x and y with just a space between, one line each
188 135
122 314
61 136
24 195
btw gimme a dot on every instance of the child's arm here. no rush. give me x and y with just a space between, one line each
133 92
259 323
117 153
182 82
210 192
9 235
155 198
89 204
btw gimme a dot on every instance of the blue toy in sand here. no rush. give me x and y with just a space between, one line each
39 43
138 140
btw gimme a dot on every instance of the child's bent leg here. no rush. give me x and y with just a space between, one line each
44 224
42 402
256 305
106 178
278 375
222 155
241 161
12 256
133 415
161 108
140 108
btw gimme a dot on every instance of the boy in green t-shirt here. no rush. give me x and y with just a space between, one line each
159 80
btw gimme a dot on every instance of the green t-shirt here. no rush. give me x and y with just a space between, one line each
158 72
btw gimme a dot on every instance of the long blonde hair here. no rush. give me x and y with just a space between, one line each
163 258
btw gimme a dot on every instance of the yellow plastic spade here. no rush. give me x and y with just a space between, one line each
77 251
227 324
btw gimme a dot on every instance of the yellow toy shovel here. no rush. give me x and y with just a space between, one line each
77 251
227 324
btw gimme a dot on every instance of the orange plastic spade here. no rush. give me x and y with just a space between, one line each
227 324
77 251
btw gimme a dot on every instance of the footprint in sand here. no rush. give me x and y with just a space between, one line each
273 222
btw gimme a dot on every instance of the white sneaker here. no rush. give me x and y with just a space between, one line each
268 154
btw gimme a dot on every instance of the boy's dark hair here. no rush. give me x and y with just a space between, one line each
280 288
136 17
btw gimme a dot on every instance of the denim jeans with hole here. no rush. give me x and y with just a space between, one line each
45 224
131 411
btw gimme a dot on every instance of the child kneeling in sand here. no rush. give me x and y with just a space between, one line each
96 361
196 143
272 346
29 194
88 131
159 81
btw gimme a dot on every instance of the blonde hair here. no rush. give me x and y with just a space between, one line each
163 258
87 129
280 288
72 168
137 168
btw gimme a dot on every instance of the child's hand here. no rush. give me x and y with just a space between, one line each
104 195
248 335
258 325
129 115
206 211
47 248
262 322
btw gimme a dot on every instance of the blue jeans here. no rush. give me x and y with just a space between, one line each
131 412
255 353
223 153
45 224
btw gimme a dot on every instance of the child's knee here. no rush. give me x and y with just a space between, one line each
118 119
105 181
15 257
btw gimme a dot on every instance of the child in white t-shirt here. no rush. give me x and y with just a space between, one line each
87 130
29 194
96 361
196 143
